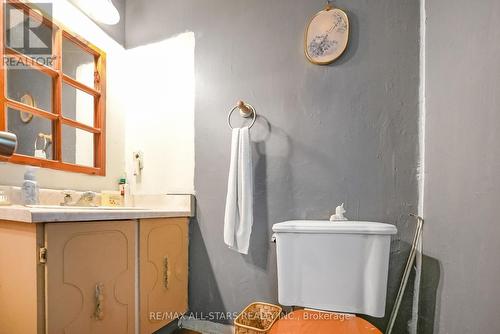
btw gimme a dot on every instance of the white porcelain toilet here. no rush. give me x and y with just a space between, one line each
336 268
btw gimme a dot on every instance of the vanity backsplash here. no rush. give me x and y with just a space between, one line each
54 197
47 196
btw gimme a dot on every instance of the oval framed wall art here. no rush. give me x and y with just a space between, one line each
327 36
27 99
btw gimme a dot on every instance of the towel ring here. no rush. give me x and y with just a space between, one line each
246 110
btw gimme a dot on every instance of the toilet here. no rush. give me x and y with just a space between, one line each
334 270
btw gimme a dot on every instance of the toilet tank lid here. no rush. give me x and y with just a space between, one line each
336 227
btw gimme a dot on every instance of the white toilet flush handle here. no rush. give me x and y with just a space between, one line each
339 214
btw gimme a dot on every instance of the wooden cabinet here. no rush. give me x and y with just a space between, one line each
90 275
93 277
163 258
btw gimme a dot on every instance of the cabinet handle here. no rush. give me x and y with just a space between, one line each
99 301
165 272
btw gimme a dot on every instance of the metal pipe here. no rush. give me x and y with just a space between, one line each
8 143
406 274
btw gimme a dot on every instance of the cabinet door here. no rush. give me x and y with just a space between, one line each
163 271
21 278
90 286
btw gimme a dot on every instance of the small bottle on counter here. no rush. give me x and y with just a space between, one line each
29 191
125 192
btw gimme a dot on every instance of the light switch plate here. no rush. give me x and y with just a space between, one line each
138 162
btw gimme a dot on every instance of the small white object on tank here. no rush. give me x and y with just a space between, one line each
339 214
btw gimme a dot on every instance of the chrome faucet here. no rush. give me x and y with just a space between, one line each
68 198
87 199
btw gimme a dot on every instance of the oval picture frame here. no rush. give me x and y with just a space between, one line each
326 36
27 99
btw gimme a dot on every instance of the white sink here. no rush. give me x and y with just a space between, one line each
62 207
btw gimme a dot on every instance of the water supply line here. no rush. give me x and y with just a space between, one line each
406 273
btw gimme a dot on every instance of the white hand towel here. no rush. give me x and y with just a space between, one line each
238 218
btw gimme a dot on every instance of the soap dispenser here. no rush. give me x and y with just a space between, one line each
29 191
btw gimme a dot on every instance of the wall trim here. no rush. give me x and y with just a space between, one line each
413 324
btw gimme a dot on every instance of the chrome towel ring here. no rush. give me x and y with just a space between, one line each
246 111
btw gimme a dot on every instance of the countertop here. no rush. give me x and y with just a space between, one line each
179 207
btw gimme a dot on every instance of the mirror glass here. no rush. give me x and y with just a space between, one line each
34 138
78 146
34 88
17 26
77 63
77 105
32 82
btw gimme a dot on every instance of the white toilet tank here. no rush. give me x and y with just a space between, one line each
334 266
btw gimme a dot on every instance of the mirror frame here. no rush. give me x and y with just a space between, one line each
59 32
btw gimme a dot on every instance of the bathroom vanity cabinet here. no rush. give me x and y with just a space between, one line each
128 276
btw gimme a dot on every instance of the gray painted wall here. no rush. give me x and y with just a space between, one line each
462 162
341 133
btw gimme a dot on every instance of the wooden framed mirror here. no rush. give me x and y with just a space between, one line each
60 92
